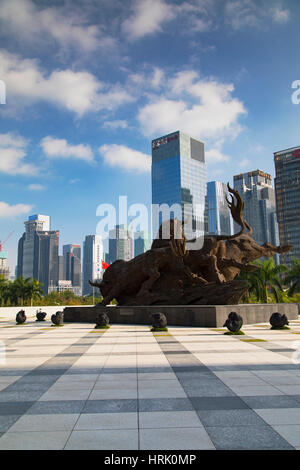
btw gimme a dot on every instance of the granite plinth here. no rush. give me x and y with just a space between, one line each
181 315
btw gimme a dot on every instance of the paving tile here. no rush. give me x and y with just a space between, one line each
265 402
169 419
110 406
113 393
34 440
175 438
235 417
63 395
246 438
165 404
6 421
280 416
266 390
46 422
103 440
92 421
290 432
218 403
56 407
15 408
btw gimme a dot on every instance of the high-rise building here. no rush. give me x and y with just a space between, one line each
258 194
72 264
92 261
287 186
219 217
4 269
142 243
120 243
179 177
38 252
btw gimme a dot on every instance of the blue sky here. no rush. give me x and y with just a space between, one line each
90 83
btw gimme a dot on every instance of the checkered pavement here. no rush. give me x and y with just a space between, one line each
74 387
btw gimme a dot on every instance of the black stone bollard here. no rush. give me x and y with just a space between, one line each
102 321
234 323
159 322
57 318
21 317
279 321
40 316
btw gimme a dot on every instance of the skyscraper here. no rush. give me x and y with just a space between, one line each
179 177
142 243
92 261
258 195
219 217
38 252
72 264
4 269
287 186
120 243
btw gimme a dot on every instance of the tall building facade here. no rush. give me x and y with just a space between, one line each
72 264
120 244
142 243
38 252
4 269
287 187
179 177
92 261
219 217
258 194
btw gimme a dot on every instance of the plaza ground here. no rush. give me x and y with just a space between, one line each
74 387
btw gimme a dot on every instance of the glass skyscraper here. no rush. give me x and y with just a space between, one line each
219 217
179 177
92 261
287 187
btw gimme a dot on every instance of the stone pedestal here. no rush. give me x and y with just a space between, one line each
182 315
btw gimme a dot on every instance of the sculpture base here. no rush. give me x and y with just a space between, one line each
180 315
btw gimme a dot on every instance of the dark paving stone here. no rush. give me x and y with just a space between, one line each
218 403
176 352
247 437
208 388
9 372
11 408
165 404
56 407
19 395
265 402
37 379
190 368
6 421
230 418
110 406
191 378
46 371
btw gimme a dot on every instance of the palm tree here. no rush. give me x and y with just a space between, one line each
20 289
34 290
293 277
267 279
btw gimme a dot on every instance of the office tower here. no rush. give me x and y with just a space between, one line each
219 217
120 244
61 268
72 264
38 252
258 195
142 243
287 187
179 177
4 269
92 261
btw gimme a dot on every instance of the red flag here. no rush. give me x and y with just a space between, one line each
104 265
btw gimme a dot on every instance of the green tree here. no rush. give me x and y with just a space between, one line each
267 279
20 290
34 291
293 277
4 290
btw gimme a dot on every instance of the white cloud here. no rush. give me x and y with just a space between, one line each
204 108
7 211
244 14
36 187
215 155
31 23
147 18
118 124
12 154
244 163
79 92
126 158
60 148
